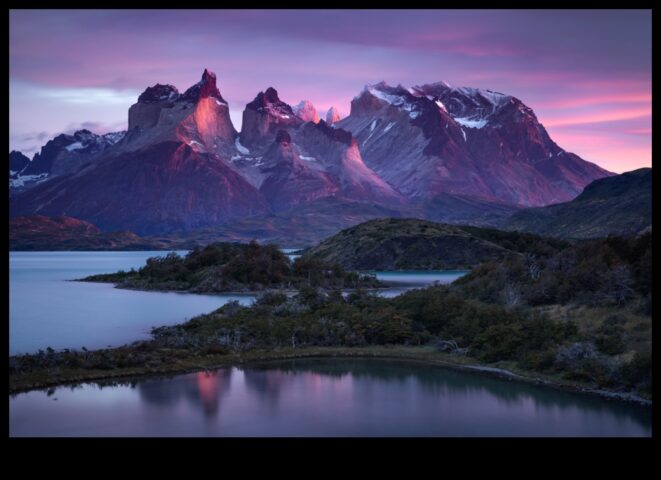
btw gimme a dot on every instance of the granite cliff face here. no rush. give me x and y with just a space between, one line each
306 111
436 139
332 116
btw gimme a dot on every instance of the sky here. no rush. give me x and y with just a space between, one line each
585 73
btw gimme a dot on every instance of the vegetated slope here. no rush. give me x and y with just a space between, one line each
388 244
620 205
223 267
66 233
586 333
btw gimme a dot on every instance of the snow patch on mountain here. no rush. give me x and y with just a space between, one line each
74 146
21 181
114 137
466 122
242 150
400 100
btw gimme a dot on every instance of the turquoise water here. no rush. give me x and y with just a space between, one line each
334 397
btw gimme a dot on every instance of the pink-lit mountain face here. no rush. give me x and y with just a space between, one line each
436 139
182 165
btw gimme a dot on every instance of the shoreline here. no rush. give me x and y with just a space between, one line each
253 293
28 383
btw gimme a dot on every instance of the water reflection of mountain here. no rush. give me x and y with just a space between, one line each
269 377
202 389
267 383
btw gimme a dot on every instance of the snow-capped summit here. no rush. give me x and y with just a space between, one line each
306 111
380 95
332 116
62 155
470 107
268 102
436 139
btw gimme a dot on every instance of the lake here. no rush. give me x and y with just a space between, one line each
46 310
318 397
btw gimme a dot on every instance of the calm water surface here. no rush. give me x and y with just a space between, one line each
335 397
46 310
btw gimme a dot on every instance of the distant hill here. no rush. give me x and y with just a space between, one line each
66 233
389 244
619 205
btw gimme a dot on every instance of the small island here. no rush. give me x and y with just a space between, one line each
234 267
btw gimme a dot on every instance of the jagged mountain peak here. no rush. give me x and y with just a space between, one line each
436 138
199 117
468 103
381 95
269 98
159 93
17 162
206 87
306 111
263 117
332 116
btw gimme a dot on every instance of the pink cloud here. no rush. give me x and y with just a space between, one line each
599 117
581 100
575 69
617 153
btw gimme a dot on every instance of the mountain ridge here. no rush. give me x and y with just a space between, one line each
430 148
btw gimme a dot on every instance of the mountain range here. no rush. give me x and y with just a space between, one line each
454 154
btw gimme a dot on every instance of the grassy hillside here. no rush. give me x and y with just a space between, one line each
388 244
619 205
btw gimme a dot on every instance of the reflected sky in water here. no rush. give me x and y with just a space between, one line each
333 397
47 310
